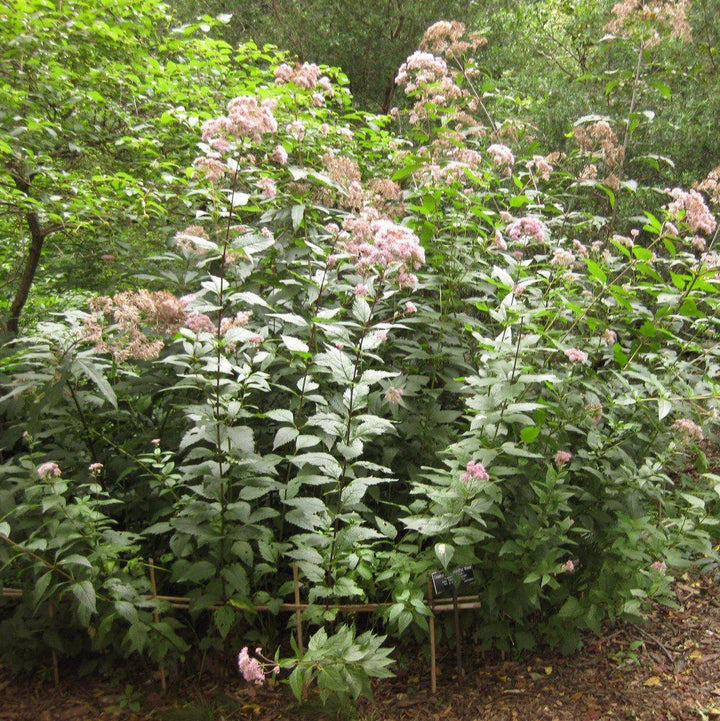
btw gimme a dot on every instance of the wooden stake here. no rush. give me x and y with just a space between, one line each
298 611
156 616
56 668
456 615
433 668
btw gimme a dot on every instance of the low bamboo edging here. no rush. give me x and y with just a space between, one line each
458 603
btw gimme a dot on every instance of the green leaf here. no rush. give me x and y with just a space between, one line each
295 344
664 407
282 415
84 592
75 559
595 270
285 435
529 433
296 681
94 374
224 618
361 310
297 212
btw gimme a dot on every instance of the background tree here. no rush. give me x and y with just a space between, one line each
97 105
369 40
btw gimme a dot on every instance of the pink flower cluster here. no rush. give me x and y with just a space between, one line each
697 214
252 669
95 469
446 37
711 185
689 430
421 68
527 227
134 314
246 118
502 157
562 257
48 470
376 242
475 471
576 356
307 75
393 395
669 13
562 457
541 166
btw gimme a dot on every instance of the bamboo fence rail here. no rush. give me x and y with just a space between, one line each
455 604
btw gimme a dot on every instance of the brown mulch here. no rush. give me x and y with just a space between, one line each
667 669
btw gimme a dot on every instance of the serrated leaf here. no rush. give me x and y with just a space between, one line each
75 559
295 344
224 618
84 591
361 310
94 374
285 435
664 407
281 414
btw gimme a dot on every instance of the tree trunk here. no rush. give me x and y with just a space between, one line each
37 238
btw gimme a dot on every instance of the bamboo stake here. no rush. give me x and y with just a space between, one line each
465 603
55 666
433 668
456 618
298 611
156 616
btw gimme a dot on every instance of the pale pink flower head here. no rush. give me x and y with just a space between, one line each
498 241
256 339
541 166
199 323
568 566
410 307
689 430
279 155
48 470
610 336
155 442
563 258
393 395
502 157
267 187
475 471
659 566
699 243
296 129
361 290
527 227
562 457
107 257
95 468
250 668
575 355
696 213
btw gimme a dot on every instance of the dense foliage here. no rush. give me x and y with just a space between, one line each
384 345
